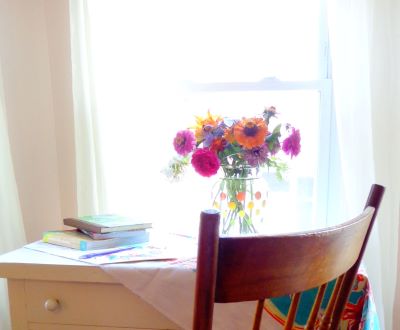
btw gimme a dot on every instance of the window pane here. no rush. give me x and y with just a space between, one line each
208 41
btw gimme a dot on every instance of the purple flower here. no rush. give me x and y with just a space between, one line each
256 156
184 142
273 146
291 145
211 135
208 139
205 162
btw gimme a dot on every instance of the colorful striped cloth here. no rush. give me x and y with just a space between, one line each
359 313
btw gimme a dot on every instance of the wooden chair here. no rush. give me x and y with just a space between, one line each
254 268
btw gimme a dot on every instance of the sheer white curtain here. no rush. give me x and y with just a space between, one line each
361 47
395 69
12 234
385 102
130 145
90 181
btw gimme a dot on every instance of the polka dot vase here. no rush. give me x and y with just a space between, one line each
242 201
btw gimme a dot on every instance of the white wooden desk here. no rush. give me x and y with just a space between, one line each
52 293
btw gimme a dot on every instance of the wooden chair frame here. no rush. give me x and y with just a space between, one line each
254 268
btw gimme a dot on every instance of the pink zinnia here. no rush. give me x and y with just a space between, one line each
291 145
205 162
184 142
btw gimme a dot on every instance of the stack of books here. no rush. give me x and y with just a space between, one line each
99 232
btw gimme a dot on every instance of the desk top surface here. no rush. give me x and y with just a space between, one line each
35 265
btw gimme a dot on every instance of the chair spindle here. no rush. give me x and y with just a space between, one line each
292 311
316 306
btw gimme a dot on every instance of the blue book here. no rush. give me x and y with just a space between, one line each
77 240
115 234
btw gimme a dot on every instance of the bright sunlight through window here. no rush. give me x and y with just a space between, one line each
157 64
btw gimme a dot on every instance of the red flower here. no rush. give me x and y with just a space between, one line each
218 145
205 162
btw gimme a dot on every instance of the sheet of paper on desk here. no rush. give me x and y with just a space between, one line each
140 252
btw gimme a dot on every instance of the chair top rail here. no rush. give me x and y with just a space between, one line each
287 263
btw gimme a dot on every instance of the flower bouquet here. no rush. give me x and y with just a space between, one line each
239 147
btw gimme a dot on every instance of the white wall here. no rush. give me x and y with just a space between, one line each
34 53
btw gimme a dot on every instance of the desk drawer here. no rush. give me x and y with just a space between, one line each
96 304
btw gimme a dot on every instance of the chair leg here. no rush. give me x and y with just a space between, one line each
258 314
343 296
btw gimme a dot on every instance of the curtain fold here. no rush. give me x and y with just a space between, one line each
90 179
385 101
12 234
361 48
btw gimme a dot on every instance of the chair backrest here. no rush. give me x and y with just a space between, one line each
234 269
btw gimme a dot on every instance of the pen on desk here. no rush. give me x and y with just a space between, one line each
183 235
99 254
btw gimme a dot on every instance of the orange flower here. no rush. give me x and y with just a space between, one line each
228 135
250 133
204 125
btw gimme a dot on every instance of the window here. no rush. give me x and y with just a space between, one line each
157 64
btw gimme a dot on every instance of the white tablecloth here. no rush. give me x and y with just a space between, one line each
169 287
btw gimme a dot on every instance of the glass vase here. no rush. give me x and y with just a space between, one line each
241 197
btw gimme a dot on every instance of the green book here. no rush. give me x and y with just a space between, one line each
77 240
106 223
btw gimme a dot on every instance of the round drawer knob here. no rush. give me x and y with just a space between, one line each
51 304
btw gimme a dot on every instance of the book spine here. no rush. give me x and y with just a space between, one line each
81 225
102 228
66 242
117 234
